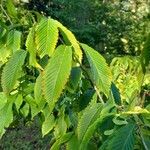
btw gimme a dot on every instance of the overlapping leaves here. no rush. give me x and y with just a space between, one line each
12 71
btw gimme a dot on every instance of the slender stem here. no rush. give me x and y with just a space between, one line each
143 141
143 97
61 40
6 14
142 138
99 95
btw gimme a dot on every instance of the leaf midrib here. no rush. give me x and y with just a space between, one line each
97 71
127 138
58 73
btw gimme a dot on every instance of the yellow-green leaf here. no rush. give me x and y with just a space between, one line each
46 37
71 40
57 73
48 124
12 71
31 47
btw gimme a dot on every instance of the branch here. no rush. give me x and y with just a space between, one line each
89 79
6 14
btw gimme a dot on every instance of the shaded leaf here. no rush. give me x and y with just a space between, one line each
73 144
38 90
86 98
145 139
90 128
145 56
25 110
18 101
116 94
89 115
48 124
75 77
63 139
100 72
6 116
123 138
61 125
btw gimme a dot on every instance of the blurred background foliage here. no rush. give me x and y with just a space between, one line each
110 26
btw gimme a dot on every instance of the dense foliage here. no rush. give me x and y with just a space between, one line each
81 101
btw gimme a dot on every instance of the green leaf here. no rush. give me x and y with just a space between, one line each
107 124
92 128
31 47
11 8
14 40
75 78
29 88
116 94
38 94
145 59
63 139
119 121
6 115
145 135
100 72
3 30
90 124
108 132
90 114
46 37
3 100
11 71
70 40
18 101
48 124
56 73
25 110
47 110
34 110
123 138
73 144
4 54
86 98
89 133
61 125
136 110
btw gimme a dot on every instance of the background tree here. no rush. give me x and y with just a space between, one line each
118 27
